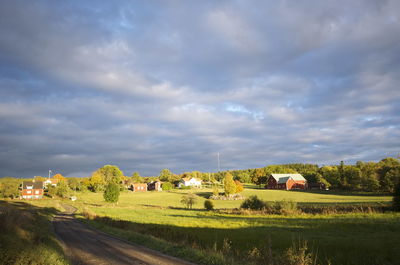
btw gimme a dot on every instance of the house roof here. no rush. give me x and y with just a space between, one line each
283 178
34 185
188 179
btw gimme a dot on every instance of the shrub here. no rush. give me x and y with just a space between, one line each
111 193
253 203
208 205
396 198
188 200
167 186
185 187
299 255
285 207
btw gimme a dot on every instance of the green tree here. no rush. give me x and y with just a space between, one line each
63 190
352 175
39 178
189 200
215 190
136 178
74 184
257 176
9 188
111 193
111 173
165 175
229 184
208 205
96 182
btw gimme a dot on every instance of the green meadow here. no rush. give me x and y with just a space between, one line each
352 238
160 221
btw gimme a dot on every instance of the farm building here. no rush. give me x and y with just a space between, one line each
136 187
193 182
154 185
32 189
53 182
286 182
317 186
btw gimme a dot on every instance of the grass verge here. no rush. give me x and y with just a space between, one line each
26 235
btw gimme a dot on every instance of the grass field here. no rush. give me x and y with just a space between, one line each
26 235
359 238
355 238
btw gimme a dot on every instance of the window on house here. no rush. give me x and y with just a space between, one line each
36 192
29 191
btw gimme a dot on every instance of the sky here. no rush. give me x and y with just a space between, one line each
147 85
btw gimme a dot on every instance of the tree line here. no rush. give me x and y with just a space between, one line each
379 176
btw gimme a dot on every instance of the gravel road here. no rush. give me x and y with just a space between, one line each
85 245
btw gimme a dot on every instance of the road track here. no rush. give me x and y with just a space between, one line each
85 245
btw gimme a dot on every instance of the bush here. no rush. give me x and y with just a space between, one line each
208 205
253 203
285 207
167 186
299 255
188 200
185 187
396 198
111 193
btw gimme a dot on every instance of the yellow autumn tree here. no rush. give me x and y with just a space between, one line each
59 177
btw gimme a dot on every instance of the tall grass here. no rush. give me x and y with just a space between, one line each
26 236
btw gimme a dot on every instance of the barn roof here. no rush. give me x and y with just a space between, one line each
283 178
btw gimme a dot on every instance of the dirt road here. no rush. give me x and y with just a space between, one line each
84 245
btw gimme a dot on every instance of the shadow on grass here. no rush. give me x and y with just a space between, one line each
27 235
334 237
343 192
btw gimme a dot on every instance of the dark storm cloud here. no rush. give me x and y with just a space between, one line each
152 85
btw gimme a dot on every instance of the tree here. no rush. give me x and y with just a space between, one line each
111 173
9 188
165 174
59 177
208 205
111 193
189 200
396 198
257 175
352 175
136 178
74 184
239 186
39 178
229 184
215 190
63 190
96 182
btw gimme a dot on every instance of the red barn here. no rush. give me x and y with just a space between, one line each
138 187
32 189
286 182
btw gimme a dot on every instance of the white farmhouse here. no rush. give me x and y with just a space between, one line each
193 182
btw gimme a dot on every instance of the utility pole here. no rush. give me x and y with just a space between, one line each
218 162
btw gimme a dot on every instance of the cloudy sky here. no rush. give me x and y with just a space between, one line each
148 85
